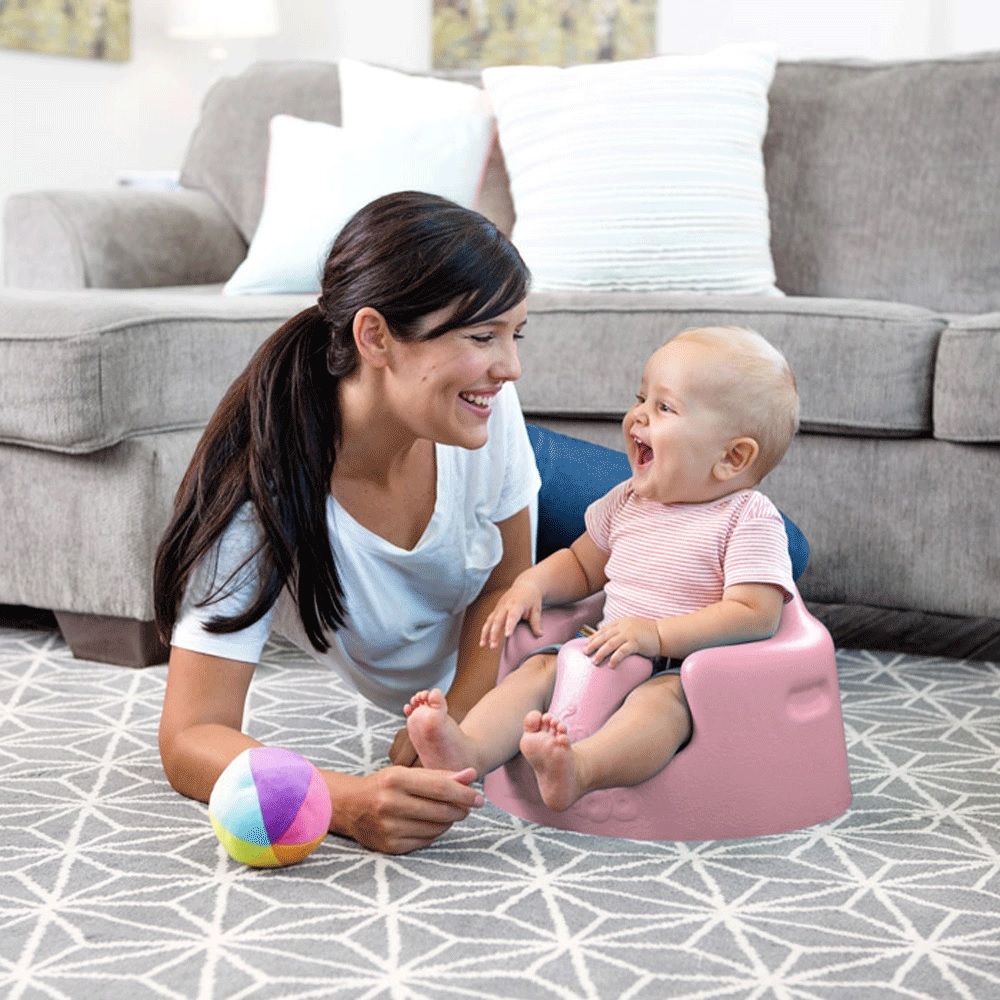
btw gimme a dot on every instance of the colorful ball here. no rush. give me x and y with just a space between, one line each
270 807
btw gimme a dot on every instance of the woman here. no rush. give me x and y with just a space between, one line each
363 488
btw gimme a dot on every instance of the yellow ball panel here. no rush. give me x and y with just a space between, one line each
245 852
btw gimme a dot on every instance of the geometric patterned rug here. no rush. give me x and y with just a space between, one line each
112 885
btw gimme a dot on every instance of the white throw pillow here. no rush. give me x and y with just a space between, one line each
319 175
645 175
373 95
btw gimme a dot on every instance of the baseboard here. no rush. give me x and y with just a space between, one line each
921 633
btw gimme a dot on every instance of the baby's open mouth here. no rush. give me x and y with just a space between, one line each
644 454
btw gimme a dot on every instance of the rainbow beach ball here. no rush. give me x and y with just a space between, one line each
270 807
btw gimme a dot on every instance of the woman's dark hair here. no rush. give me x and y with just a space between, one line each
274 437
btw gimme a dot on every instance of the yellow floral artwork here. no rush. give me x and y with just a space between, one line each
468 34
90 29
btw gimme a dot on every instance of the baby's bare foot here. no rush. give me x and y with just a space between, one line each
435 735
547 748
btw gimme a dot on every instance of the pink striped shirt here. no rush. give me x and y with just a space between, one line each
672 559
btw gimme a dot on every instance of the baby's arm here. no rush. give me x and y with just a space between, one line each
747 611
565 576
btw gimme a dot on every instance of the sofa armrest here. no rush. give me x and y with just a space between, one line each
118 239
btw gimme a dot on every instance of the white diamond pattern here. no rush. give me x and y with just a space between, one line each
112 885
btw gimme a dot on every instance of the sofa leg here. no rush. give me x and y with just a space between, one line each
124 641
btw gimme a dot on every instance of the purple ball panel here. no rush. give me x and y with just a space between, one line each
282 778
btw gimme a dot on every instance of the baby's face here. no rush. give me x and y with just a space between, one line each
679 427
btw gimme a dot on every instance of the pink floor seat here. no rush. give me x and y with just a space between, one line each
767 754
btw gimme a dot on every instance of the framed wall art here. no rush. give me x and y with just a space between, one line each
89 29
469 34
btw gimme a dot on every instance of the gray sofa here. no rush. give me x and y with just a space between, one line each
883 181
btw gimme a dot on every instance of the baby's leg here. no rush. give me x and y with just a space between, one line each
637 742
488 736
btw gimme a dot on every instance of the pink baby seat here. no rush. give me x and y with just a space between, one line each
767 754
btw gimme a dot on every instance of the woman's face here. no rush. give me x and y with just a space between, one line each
444 389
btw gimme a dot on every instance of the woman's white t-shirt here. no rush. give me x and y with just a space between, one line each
404 607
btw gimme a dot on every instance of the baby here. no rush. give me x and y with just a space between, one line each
688 553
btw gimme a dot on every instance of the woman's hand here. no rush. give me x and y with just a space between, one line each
522 600
400 809
395 810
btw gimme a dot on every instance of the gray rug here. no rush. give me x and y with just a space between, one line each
111 885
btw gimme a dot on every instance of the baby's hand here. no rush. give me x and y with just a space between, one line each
622 638
522 600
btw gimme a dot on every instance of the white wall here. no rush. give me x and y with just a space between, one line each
891 28
873 29
79 123
73 123
389 32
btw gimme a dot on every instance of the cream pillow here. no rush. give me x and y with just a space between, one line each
373 95
645 175
319 175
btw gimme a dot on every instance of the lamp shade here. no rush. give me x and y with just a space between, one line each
215 19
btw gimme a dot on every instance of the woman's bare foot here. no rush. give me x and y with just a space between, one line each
547 749
435 735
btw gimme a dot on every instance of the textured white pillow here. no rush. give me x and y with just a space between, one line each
319 175
645 175
373 95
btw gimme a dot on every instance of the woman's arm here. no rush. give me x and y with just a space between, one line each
477 665
394 810
476 672
200 727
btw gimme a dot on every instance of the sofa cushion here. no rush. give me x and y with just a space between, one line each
84 370
966 379
863 368
227 156
881 181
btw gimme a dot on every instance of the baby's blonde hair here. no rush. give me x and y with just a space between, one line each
757 389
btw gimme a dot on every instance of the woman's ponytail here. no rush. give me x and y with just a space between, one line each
272 442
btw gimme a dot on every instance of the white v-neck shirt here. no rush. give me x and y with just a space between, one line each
404 607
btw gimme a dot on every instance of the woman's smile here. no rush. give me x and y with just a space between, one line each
479 401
